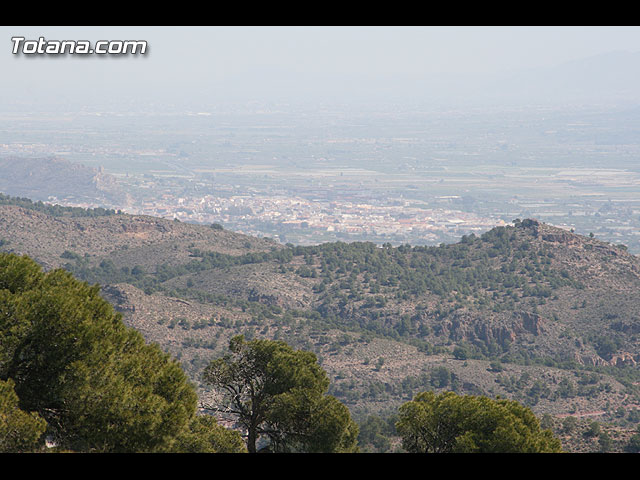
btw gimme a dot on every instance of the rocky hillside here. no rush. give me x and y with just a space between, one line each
129 240
529 312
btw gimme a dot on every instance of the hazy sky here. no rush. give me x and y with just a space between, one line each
284 63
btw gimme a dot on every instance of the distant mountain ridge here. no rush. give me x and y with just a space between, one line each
611 76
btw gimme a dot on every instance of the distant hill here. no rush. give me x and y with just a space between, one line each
612 76
131 239
530 311
46 177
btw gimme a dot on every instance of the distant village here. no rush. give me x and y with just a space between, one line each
314 220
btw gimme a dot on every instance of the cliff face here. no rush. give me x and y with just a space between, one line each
469 327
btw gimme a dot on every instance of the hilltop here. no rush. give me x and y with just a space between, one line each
530 311
41 178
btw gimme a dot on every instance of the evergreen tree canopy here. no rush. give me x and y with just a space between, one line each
279 393
71 360
451 423
20 431
206 436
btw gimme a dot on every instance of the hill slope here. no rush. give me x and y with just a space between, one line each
529 312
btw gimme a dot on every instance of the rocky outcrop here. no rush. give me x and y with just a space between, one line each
529 322
465 326
118 297
590 360
266 299
617 360
622 358
145 224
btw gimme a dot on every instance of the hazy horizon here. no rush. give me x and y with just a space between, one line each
192 66
479 125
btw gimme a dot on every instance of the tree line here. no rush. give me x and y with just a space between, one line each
56 210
